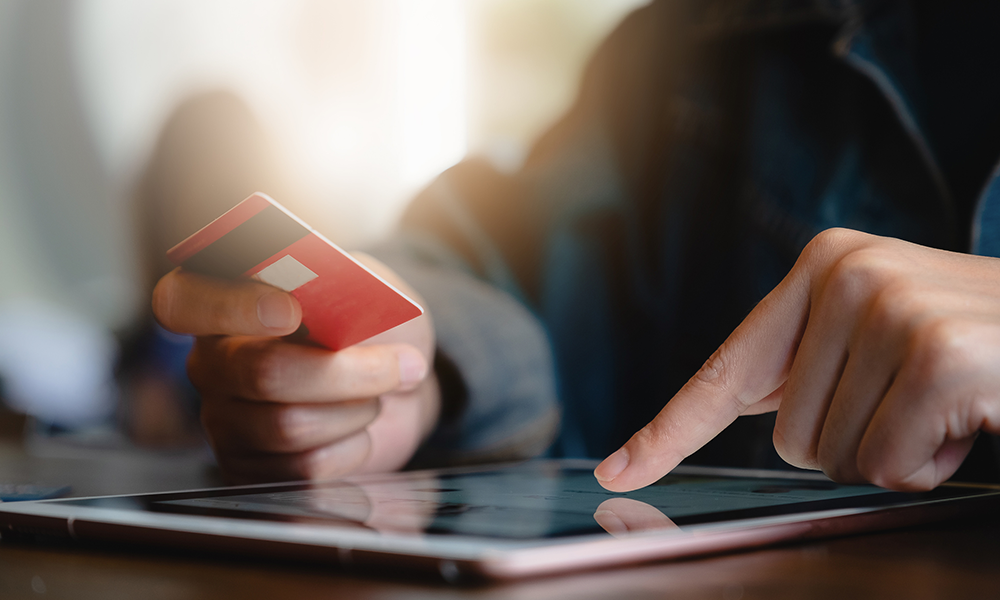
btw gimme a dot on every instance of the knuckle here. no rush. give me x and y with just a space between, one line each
367 370
791 449
856 274
877 469
939 348
224 314
286 428
361 413
829 242
655 436
780 442
717 374
835 466
329 461
982 413
318 463
942 337
898 304
714 371
265 375
873 469
826 240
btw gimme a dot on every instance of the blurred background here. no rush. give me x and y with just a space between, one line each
360 103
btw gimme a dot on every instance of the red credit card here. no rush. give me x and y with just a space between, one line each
342 301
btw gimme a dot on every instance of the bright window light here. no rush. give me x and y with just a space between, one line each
432 90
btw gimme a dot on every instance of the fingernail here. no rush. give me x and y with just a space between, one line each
275 310
612 466
412 366
611 522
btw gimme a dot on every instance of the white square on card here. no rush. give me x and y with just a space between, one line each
286 273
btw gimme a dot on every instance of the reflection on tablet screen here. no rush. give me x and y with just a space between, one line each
522 503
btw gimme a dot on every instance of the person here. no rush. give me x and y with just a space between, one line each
212 149
804 193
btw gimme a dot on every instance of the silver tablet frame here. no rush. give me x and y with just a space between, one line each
456 557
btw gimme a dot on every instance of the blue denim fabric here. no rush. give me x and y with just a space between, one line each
710 142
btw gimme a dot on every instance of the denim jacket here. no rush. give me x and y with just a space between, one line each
710 141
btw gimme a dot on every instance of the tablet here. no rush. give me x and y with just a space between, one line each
502 522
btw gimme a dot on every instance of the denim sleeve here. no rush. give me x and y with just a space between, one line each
492 253
493 360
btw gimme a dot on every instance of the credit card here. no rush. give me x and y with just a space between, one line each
343 302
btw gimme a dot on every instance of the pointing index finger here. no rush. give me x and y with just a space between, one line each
751 364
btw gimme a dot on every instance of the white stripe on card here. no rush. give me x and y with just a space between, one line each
286 273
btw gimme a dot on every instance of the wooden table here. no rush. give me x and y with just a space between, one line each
953 560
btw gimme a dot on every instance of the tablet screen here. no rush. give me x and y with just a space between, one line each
527 501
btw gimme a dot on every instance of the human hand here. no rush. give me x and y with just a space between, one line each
622 517
881 357
277 410
394 505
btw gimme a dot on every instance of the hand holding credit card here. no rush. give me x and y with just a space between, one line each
342 301
275 409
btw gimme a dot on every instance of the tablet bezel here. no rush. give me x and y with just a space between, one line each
455 556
